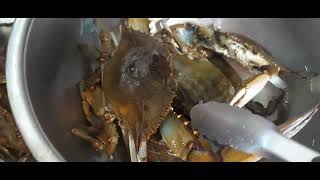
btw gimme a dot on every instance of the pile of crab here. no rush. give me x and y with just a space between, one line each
151 74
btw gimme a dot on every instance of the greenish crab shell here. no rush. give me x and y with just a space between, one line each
137 83
199 81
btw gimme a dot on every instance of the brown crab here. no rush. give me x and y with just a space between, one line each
138 84
101 133
135 86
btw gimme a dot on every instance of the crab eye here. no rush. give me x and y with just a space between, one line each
131 70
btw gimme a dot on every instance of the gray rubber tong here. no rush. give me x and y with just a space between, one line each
247 132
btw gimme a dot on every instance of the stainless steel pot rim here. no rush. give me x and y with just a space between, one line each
22 109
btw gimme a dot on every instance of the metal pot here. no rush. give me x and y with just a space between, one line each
44 66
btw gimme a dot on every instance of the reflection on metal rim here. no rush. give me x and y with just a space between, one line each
23 112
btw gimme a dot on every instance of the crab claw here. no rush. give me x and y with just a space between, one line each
253 86
250 90
177 136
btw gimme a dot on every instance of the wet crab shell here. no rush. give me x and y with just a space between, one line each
137 83
199 81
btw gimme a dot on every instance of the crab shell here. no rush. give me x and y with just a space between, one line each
141 92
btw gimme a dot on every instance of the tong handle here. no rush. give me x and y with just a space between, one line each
290 150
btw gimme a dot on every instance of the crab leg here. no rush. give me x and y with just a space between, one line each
250 90
129 142
177 136
84 135
252 87
142 153
183 142
132 149
92 119
124 134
